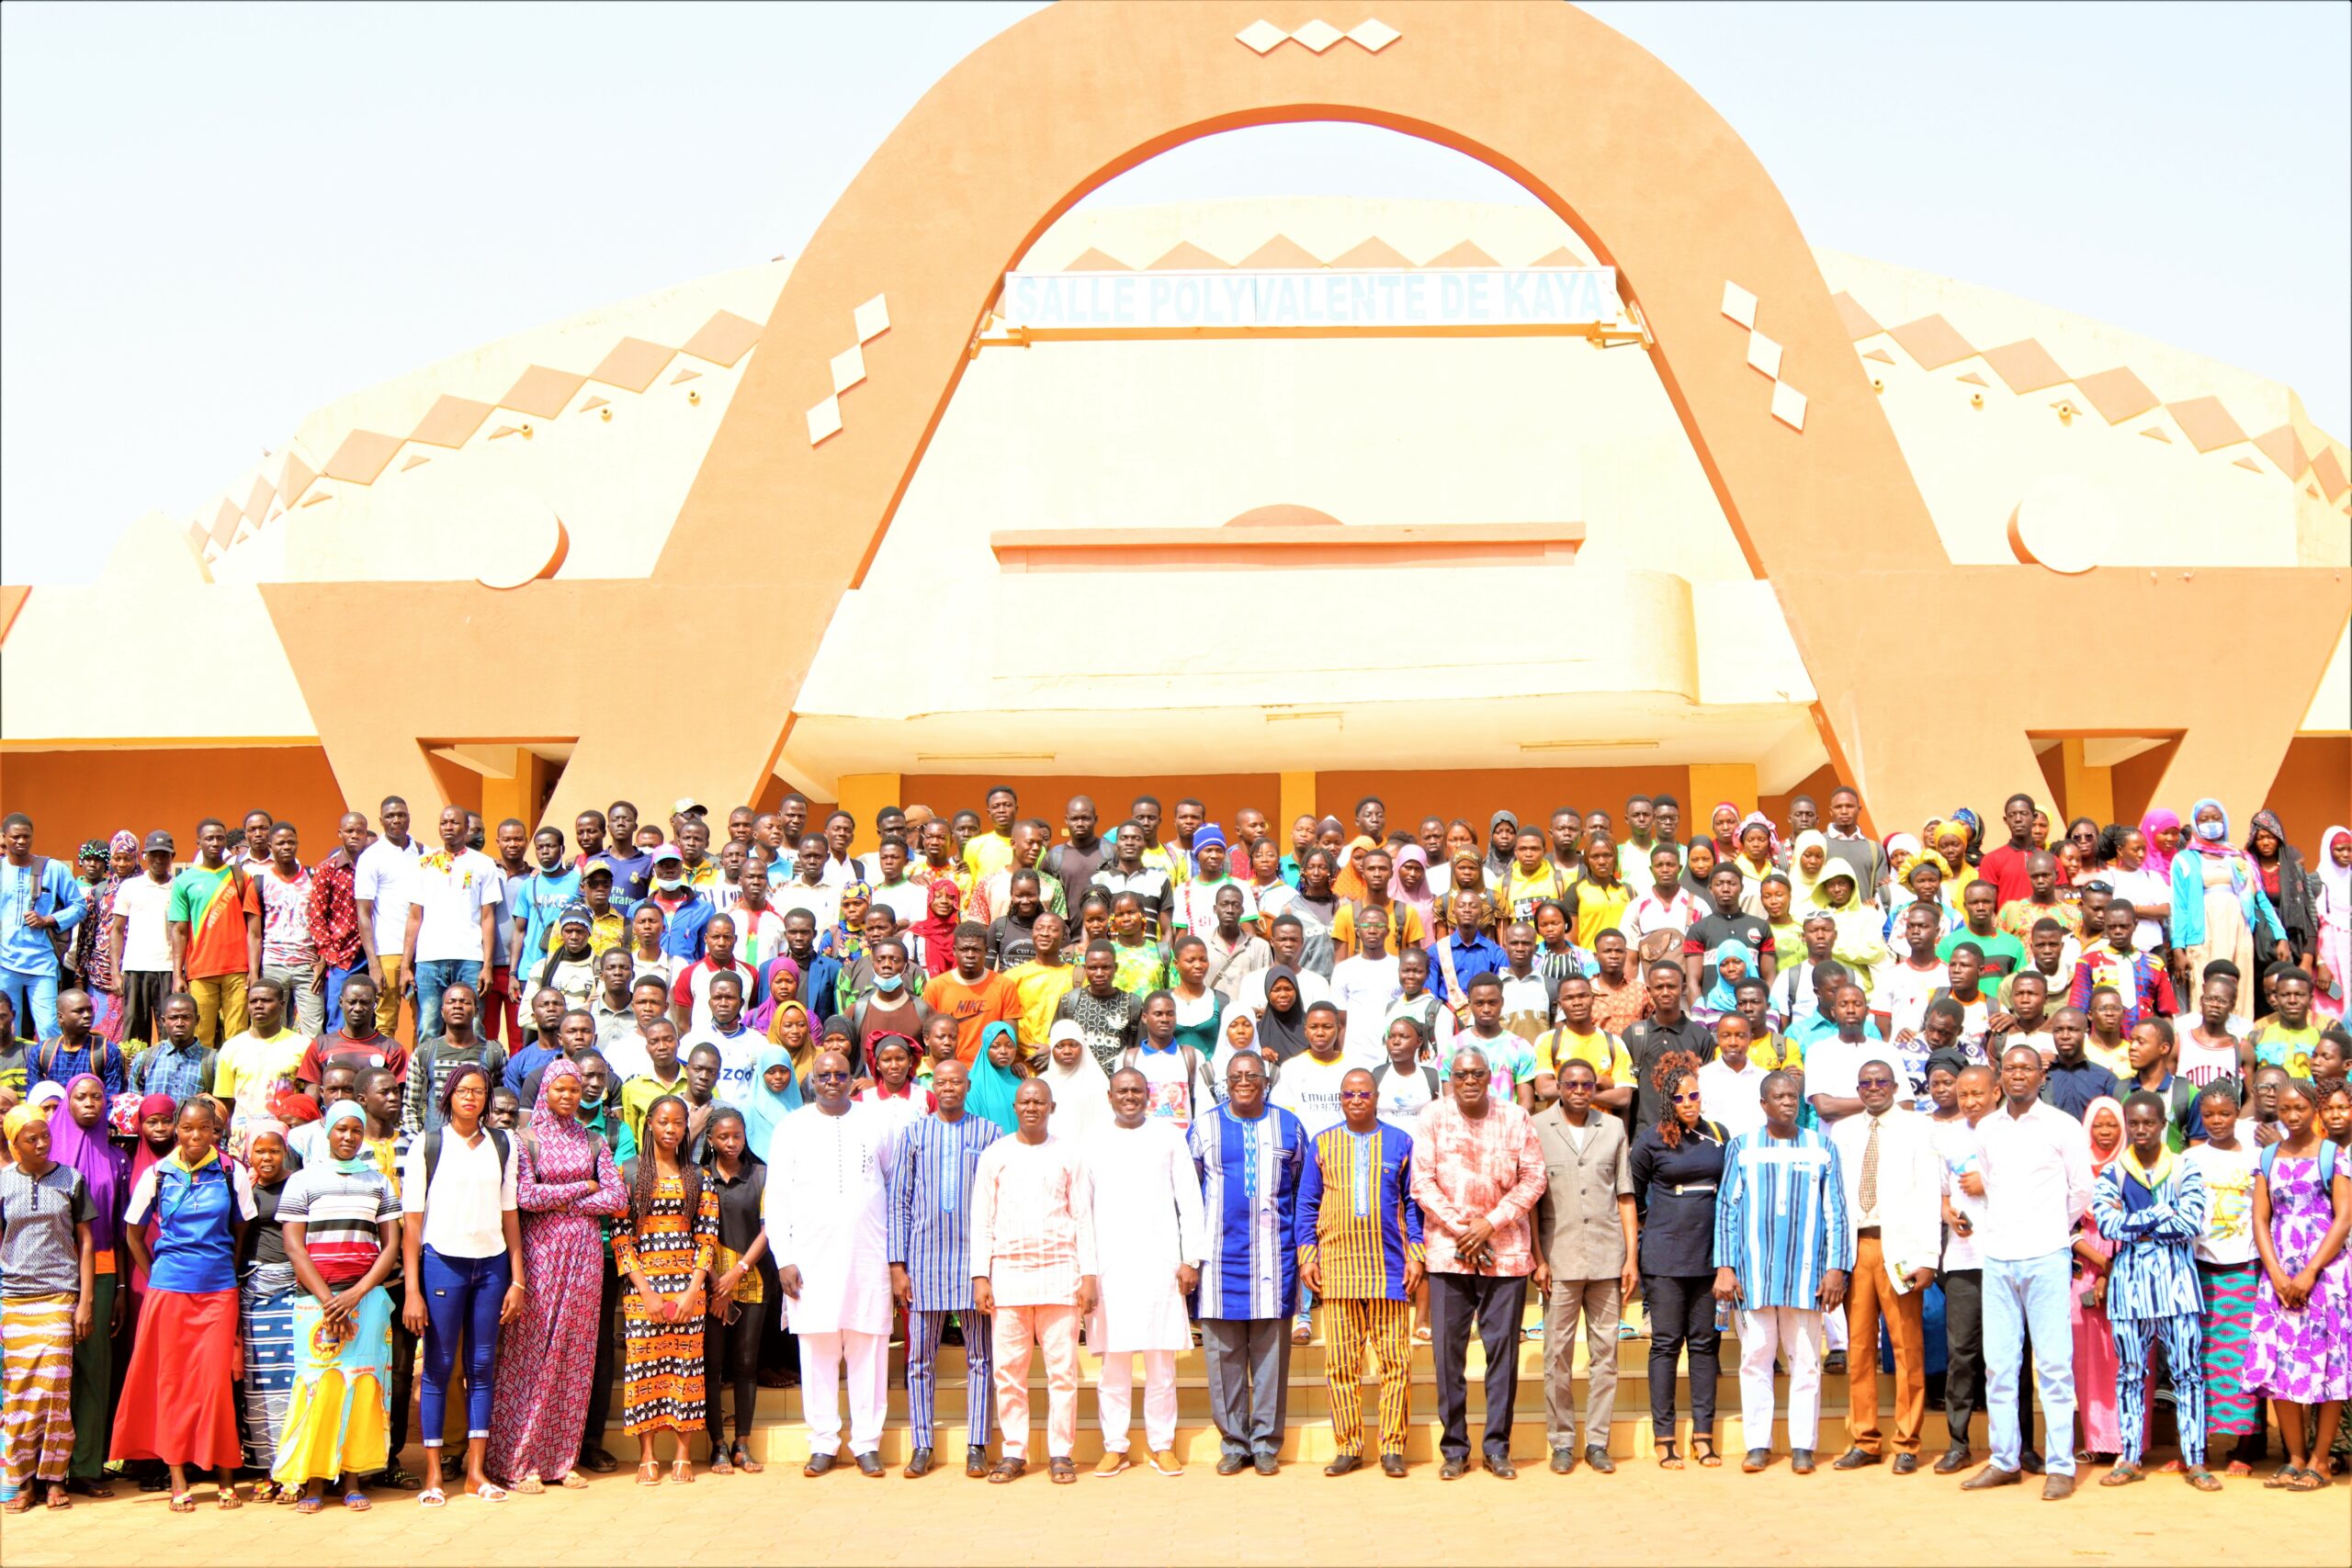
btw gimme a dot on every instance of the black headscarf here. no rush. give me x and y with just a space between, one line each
1282 1035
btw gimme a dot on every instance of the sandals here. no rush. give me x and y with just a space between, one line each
2283 1480
744 1461
355 1501
1667 1457
2308 1481
1062 1469
60 1499
530 1487
1008 1470
719 1464
2122 1475
432 1497
225 1498
307 1504
573 1481
491 1492
267 1492
682 1470
648 1472
2203 1479
183 1502
1708 1458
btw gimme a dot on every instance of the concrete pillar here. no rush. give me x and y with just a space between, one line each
1298 800
1713 782
863 795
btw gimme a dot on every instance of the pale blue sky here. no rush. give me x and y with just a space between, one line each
215 219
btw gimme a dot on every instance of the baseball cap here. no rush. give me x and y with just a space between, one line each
600 867
687 805
667 851
159 840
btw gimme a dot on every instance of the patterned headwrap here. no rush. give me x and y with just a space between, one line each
124 842
92 848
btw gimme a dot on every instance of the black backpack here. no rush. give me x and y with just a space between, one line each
433 1152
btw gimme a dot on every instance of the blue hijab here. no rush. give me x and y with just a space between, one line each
1724 995
991 1097
767 1107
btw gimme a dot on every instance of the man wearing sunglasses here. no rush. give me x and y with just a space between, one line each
1360 1251
827 1219
1893 1185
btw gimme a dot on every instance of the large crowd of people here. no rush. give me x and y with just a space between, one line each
304 1155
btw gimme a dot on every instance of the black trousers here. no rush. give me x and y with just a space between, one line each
730 1356
600 1392
779 1347
1964 1368
1683 1314
1494 1304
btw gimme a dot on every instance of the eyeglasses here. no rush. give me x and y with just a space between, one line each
1356 1094
1690 1098
1874 1083
821 1077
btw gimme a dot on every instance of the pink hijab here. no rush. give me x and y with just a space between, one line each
2159 819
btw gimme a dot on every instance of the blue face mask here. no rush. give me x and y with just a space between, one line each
2212 831
889 982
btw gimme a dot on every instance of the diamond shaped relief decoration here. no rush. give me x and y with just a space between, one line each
824 420
849 368
872 319
1260 36
1373 35
1317 35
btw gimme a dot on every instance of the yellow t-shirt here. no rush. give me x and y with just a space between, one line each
1600 1050
1404 928
1038 990
987 854
1777 1052
1599 910
250 1066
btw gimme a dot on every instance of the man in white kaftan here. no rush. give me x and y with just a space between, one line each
828 1203
1149 1242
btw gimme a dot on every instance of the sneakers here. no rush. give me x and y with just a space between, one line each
1113 1461
1167 1463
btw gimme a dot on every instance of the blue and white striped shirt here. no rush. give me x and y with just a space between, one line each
930 1207
1250 1172
1780 1219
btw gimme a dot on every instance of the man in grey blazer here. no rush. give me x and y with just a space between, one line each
1584 1262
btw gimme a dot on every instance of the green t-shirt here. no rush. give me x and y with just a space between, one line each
2004 954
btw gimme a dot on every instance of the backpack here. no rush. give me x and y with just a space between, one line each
2327 1161
1380 1075
102 1054
1195 1072
433 1151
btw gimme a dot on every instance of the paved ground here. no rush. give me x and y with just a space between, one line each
1639 1516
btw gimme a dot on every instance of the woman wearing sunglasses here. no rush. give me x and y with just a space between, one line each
1676 1167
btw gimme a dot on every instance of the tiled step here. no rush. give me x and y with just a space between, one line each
1310 1441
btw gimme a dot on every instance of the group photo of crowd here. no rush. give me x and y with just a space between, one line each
497 1138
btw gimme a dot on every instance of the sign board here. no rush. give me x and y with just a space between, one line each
1317 301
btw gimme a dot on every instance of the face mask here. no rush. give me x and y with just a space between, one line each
889 982
2212 831
669 883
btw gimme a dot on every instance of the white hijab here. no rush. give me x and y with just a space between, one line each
1081 1094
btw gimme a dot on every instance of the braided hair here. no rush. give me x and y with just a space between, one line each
1668 1076
641 1186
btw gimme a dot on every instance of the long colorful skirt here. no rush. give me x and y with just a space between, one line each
2230 1409
177 1403
266 1317
338 1421
546 1357
662 1376
36 1391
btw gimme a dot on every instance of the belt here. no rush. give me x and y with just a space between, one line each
1867 1230
1692 1187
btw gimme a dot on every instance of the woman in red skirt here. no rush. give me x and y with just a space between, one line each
178 1404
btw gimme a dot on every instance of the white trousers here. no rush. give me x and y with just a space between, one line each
821 1358
1115 1393
1796 1333
1833 1325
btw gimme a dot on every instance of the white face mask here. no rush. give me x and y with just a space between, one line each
669 883
2211 833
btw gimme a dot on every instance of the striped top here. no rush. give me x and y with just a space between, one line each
1356 1215
2154 1271
339 1214
1781 1221
1251 1171
931 1167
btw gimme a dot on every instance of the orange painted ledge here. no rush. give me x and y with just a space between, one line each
1228 548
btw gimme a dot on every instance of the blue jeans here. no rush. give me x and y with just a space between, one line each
462 1296
2021 1296
35 998
336 980
435 976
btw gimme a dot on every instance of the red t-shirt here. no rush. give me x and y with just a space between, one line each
381 1050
